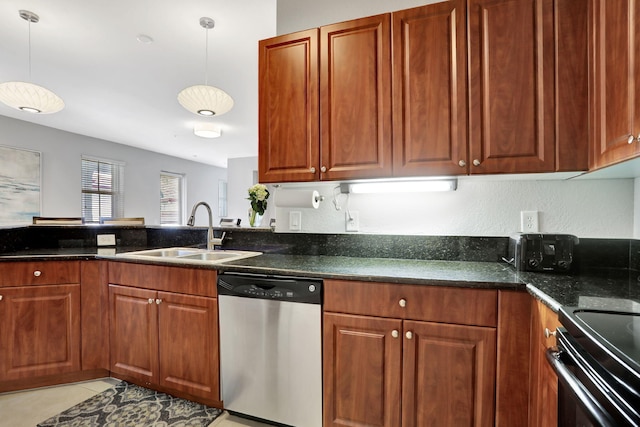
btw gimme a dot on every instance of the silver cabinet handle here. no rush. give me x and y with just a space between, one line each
631 139
409 335
312 170
323 169
158 301
462 163
638 138
150 300
402 302
1 297
548 333
476 162
37 273
394 333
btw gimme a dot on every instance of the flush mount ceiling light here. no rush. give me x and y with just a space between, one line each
205 100
206 130
25 96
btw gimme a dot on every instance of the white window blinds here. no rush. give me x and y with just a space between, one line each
171 198
102 189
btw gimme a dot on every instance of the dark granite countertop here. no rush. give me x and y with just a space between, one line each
603 289
448 273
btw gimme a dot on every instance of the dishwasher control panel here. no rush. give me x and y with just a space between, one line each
302 290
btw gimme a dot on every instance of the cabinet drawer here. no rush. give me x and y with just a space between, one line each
39 273
464 306
164 278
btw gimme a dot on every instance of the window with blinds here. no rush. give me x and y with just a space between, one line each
171 199
102 189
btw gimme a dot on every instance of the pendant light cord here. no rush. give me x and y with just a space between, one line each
29 26
206 57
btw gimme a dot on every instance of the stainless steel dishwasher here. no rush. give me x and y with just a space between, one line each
270 348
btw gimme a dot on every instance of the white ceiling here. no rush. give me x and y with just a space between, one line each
118 89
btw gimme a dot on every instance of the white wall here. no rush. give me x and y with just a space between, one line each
61 152
241 176
480 207
296 15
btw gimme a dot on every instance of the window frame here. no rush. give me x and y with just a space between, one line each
115 193
182 200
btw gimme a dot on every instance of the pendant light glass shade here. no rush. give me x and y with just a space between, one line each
30 98
205 100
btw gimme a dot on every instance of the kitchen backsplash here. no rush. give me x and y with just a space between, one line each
591 253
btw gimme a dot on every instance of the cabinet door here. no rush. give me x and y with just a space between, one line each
430 90
39 331
511 89
288 108
543 406
134 332
448 375
355 99
362 370
615 80
188 344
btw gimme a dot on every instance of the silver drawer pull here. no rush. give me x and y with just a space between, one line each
402 302
409 335
158 301
394 333
37 273
150 300
548 333
1 297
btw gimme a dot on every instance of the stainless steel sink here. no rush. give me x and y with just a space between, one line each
189 255
170 252
213 256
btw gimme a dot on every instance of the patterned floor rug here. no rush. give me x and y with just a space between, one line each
129 405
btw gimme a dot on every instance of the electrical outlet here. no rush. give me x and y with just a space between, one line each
106 240
352 221
295 220
529 221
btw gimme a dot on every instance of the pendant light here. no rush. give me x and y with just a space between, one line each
30 97
205 100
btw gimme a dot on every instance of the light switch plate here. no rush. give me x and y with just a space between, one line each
295 220
106 240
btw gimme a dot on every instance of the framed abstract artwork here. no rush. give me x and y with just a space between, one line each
20 183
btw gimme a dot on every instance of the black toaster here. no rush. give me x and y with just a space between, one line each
552 253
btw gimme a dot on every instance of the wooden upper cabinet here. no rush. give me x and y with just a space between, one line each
615 81
430 90
511 89
288 108
355 98
325 103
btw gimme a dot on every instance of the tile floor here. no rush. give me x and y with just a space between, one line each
28 408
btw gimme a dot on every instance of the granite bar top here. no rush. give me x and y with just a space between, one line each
615 289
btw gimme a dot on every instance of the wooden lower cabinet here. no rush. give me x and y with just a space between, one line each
39 331
543 394
165 339
393 372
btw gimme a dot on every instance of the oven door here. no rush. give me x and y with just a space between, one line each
587 393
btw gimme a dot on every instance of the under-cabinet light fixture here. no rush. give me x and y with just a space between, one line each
450 184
